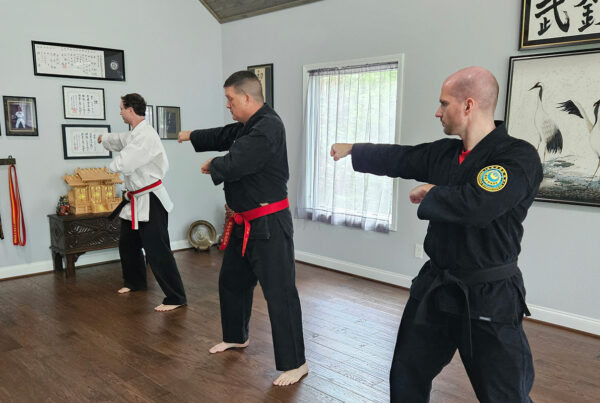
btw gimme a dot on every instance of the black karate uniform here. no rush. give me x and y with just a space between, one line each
256 171
470 295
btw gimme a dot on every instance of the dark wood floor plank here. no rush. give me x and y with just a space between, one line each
78 340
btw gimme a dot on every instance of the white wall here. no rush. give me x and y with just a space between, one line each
560 257
172 57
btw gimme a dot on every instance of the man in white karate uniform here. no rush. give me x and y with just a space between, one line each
144 212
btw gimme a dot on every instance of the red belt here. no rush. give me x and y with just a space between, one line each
131 196
246 217
18 221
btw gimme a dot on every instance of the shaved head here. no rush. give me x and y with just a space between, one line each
246 82
476 83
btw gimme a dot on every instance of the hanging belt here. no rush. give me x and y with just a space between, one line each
16 209
246 217
464 279
130 197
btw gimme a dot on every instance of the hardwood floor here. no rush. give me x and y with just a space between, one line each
78 340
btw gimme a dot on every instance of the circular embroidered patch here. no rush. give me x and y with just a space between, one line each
492 178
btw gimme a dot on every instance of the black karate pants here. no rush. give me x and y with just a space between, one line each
500 369
270 261
153 236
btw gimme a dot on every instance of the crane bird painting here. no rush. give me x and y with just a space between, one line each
550 137
575 108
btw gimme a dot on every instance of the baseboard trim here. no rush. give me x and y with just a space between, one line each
539 313
86 259
355 269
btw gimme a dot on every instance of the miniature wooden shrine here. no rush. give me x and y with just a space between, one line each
92 190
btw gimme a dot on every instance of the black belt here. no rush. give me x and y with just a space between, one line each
118 209
464 279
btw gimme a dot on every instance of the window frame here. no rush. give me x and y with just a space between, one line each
399 58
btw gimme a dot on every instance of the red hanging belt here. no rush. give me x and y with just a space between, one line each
246 217
131 196
18 221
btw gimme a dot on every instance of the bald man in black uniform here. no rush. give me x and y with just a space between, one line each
470 295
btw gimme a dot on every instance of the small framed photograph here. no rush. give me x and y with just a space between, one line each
81 141
552 102
547 23
149 115
264 72
168 122
20 116
83 103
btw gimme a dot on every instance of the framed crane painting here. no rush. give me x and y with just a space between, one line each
553 102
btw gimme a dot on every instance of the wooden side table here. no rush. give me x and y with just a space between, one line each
73 235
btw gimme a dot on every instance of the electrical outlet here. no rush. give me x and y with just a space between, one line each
419 250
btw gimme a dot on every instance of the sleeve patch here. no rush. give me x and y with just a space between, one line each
492 178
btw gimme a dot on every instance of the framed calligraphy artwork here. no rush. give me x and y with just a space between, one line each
168 122
76 61
553 102
546 23
20 116
264 72
83 103
81 141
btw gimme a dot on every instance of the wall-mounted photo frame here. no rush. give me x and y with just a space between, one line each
81 141
20 116
77 61
264 72
83 103
168 122
149 116
546 23
553 102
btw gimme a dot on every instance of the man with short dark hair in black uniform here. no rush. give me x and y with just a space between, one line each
470 294
255 174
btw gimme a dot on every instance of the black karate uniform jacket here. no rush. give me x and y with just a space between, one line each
472 225
254 171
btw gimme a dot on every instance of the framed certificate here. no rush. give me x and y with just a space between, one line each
83 103
264 72
81 141
76 61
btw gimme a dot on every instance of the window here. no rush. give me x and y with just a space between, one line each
348 102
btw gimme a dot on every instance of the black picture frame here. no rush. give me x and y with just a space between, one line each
553 103
563 23
264 72
20 116
83 103
168 122
80 141
77 61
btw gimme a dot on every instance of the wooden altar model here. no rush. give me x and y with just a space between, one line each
93 190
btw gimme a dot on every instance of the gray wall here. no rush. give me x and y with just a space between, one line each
560 257
172 57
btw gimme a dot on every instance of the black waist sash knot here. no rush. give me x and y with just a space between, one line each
464 279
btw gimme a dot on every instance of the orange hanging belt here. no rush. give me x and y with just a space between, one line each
18 221
246 217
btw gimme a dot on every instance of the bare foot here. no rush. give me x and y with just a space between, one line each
291 376
165 308
222 346
124 290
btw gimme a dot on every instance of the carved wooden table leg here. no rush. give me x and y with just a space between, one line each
71 259
58 263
